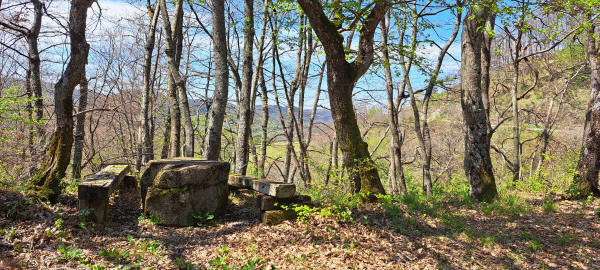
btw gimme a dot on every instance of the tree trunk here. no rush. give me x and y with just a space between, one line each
173 34
396 174
486 56
146 151
245 112
341 79
477 161
212 146
164 153
57 158
586 180
34 64
264 101
80 129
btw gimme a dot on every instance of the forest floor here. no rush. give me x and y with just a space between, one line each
405 234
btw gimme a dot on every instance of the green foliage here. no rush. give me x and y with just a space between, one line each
566 238
534 245
72 253
331 194
13 109
58 223
339 213
548 205
220 262
204 219
151 247
116 256
184 265
505 204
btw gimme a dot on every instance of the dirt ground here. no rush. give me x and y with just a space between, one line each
39 236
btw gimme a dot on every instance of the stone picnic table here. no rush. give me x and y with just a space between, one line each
176 191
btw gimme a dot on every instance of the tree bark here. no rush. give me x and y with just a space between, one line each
34 63
341 79
477 161
486 56
80 129
396 174
586 180
146 151
58 155
176 82
242 146
212 146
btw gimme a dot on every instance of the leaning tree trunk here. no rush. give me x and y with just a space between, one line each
212 146
244 126
477 161
146 152
341 79
586 180
80 129
58 155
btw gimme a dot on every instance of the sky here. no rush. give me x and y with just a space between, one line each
116 13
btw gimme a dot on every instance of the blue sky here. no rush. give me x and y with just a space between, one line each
114 12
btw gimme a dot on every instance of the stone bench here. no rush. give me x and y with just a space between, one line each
273 196
95 190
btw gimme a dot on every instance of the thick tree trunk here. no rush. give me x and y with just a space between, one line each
586 180
212 146
242 147
57 158
341 78
80 129
477 161
486 56
146 151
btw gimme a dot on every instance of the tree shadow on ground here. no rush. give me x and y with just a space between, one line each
458 237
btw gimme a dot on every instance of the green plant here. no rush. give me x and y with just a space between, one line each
566 238
11 234
219 262
72 253
130 240
489 240
548 206
182 264
204 219
151 247
534 245
116 256
58 223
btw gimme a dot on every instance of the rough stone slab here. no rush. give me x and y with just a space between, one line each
266 202
275 189
274 217
176 190
240 181
93 193
153 167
